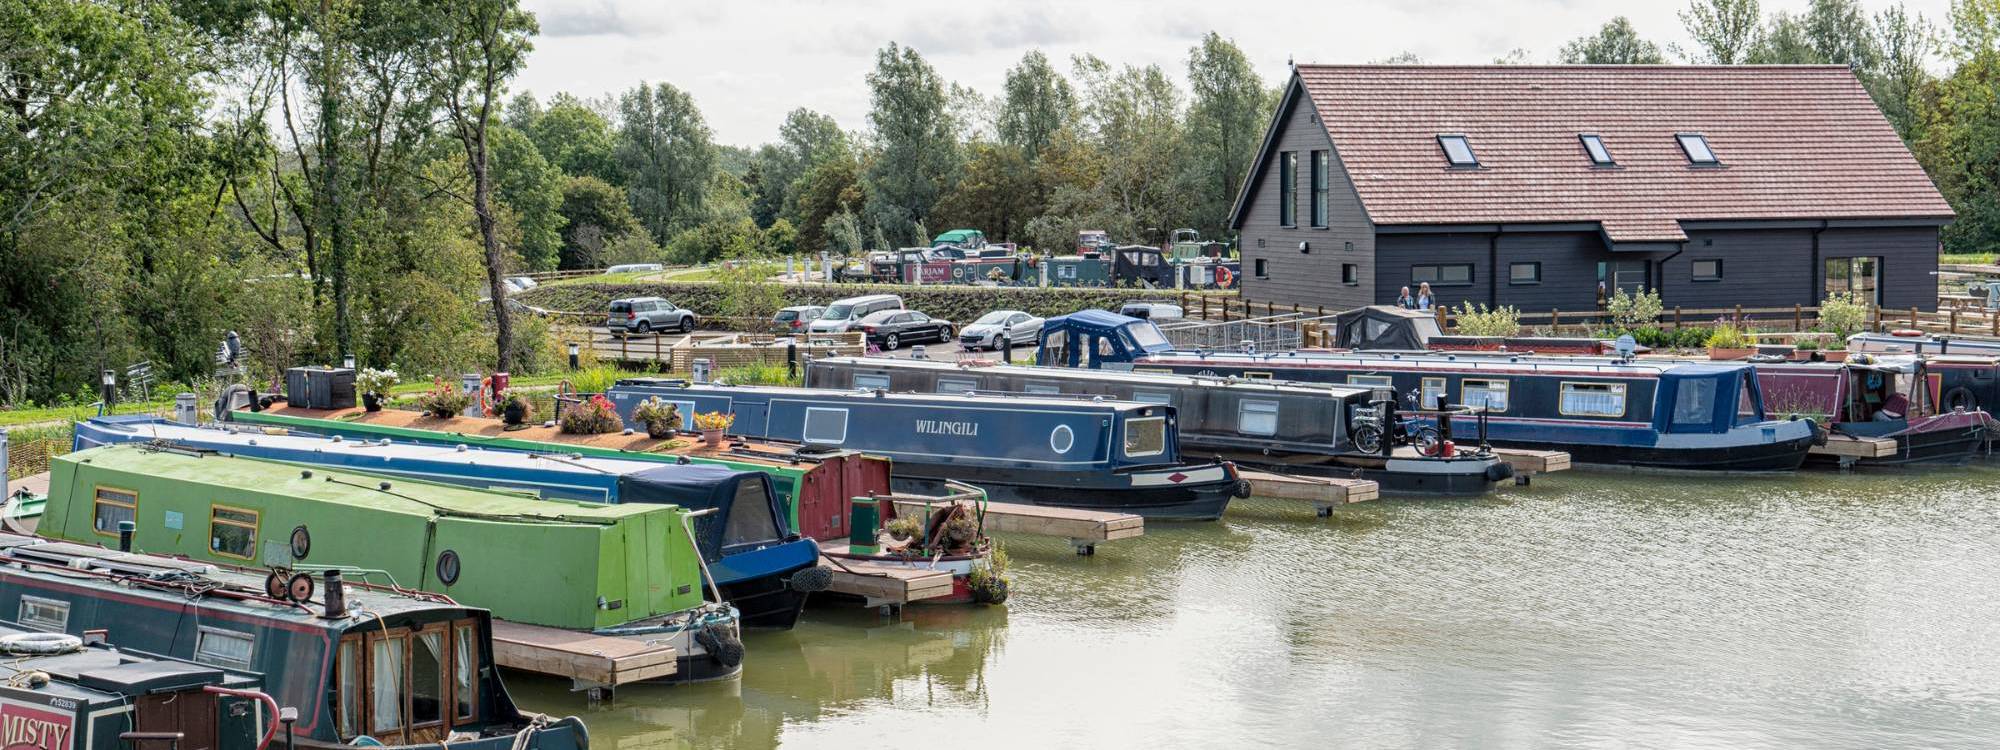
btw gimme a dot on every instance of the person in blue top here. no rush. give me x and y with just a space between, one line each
1405 300
1424 298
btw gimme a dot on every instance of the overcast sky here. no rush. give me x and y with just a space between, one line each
748 62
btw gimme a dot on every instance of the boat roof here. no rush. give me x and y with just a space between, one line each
98 674
1499 361
940 399
1074 373
350 488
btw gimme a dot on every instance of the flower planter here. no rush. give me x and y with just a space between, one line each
514 413
1718 353
371 402
712 437
1836 355
659 433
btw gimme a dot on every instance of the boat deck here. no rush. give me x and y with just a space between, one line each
1325 493
884 584
1084 529
590 660
34 484
1528 463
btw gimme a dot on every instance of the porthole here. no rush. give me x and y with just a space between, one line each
302 542
447 567
1062 439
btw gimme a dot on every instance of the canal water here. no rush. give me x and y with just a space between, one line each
1594 609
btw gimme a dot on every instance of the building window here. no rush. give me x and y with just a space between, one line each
1593 400
1288 188
1319 164
1525 272
1696 148
1263 271
1708 270
1490 395
1457 151
1450 274
1594 146
44 614
111 507
1861 277
1432 394
232 532
224 648
1350 274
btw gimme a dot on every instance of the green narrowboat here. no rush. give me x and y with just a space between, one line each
626 570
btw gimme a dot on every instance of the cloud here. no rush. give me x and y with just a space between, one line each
600 18
941 33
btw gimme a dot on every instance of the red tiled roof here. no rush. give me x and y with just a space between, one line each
1795 142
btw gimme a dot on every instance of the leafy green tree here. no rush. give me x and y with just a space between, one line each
1784 41
917 158
594 213
1617 43
996 193
1136 133
532 190
1840 34
1906 43
667 156
577 139
1038 102
1959 122
1724 31
780 239
1225 124
826 189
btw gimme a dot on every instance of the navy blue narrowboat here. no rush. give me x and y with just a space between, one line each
362 664
1627 413
754 558
1318 430
60 692
1068 452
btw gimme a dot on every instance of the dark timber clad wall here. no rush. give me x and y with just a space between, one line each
1307 279
1760 268
1910 258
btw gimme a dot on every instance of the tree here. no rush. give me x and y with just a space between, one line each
1839 33
532 190
1617 43
1783 42
826 189
805 139
1225 125
917 156
1906 43
995 193
1037 103
1515 56
1959 123
1137 120
1724 31
594 213
667 157
576 139
481 44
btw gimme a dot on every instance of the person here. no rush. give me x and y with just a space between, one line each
1405 301
1424 299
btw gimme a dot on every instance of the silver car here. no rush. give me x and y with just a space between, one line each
1023 329
647 315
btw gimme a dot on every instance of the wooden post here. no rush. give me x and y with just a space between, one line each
624 343
1439 313
656 346
1295 308
1555 322
1677 317
1913 318
1739 314
1322 311
1798 318
1953 324
1204 307
1995 317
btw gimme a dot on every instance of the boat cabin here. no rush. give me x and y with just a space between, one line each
59 693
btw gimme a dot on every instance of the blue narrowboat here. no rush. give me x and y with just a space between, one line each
362 665
1068 452
1628 413
755 560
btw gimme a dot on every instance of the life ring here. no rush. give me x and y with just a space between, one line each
1907 333
957 271
1959 398
1223 278
39 644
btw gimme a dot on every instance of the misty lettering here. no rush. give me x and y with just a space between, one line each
23 731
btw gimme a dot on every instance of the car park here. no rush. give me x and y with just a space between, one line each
795 319
841 316
987 332
648 315
891 329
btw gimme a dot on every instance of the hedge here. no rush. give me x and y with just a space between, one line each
960 304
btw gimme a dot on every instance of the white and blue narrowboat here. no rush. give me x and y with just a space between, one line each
755 560
1290 427
1627 413
1047 450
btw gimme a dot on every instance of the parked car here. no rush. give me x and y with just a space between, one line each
985 333
521 283
1155 311
893 328
795 319
648 314
635 268
841 316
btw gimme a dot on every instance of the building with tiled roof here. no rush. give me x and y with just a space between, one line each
1537 186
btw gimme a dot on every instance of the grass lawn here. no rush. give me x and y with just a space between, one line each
1977 259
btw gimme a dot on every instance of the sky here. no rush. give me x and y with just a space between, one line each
748 62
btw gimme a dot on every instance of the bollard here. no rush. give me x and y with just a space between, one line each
110 390
575 356
1007 345
347 361
701 369
792 359
917 352
468 384
185 411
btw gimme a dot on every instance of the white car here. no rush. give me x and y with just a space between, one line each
521 283
1023 329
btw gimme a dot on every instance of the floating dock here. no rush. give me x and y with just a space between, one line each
1528 463
1852 448
1325 493
590 661
883 584
1084 529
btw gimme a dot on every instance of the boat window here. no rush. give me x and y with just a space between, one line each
1372 381
871 382
1593 399
1062 438
1046 388
1248 375
1257 417
1490 395
750 519
347 700
826 426
1146 336
427 678
465 668
112 507
1694 402
956 385
1145 437
1431 394
44 614
232 532
226 648
1746 404
387 688
1153 397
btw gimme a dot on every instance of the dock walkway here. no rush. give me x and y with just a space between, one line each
1325 493
592 662
885 584
1084 529
1528 463
1852 448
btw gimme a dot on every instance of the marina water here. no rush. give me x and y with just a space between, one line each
1597 608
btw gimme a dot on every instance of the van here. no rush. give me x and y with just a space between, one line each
843 314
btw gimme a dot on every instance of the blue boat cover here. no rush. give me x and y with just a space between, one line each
747 505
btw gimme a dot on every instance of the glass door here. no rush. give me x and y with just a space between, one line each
1861 277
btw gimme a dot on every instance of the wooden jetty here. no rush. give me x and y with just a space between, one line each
592 662
1325 493
885 585
1852 448
1528 463
1084 529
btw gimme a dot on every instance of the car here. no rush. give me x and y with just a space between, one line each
841 316
795 319
635 268
891 329
648 314
986 332
521 283
1155 311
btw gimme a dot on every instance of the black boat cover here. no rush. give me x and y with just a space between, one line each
1385 327
749 511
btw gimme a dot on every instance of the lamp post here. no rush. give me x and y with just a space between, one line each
110 389
347 361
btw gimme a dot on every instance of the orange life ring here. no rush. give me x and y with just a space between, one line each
1223 277
1906 332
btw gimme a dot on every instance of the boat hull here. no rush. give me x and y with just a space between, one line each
1924 444
768 602
1467 477
1785 455
1150 494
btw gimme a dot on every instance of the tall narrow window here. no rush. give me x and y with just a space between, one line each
113 506
1288 188
427 692
388 688
1319 166
1697 148
348 698
1594 147
1350 274
1458 151
465 668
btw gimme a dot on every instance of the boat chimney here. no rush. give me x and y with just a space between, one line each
125 530
334 591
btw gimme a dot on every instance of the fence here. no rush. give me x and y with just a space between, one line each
1280 332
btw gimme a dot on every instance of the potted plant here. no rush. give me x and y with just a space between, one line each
1805 349
444 400
592 416
905 532
1728 342
374 386
515 410
660 418
712 425
989 582
1836 351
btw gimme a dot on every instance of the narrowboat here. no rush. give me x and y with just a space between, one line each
59 692
1877 397
1047 450
1281 426
362 664
628 571
759 565
1966 371
1627 413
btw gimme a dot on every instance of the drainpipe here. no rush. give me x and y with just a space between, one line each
1813 281
1493 269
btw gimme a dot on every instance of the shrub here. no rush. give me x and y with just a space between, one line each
1481 321
514 398
769 373
1632 311
1727 336
595 379
594 416
905 528
713 420
444 400
378 382
1842 314
658 416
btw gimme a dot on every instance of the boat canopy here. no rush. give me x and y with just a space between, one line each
1707 399
1385 327
1093 338
748 507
